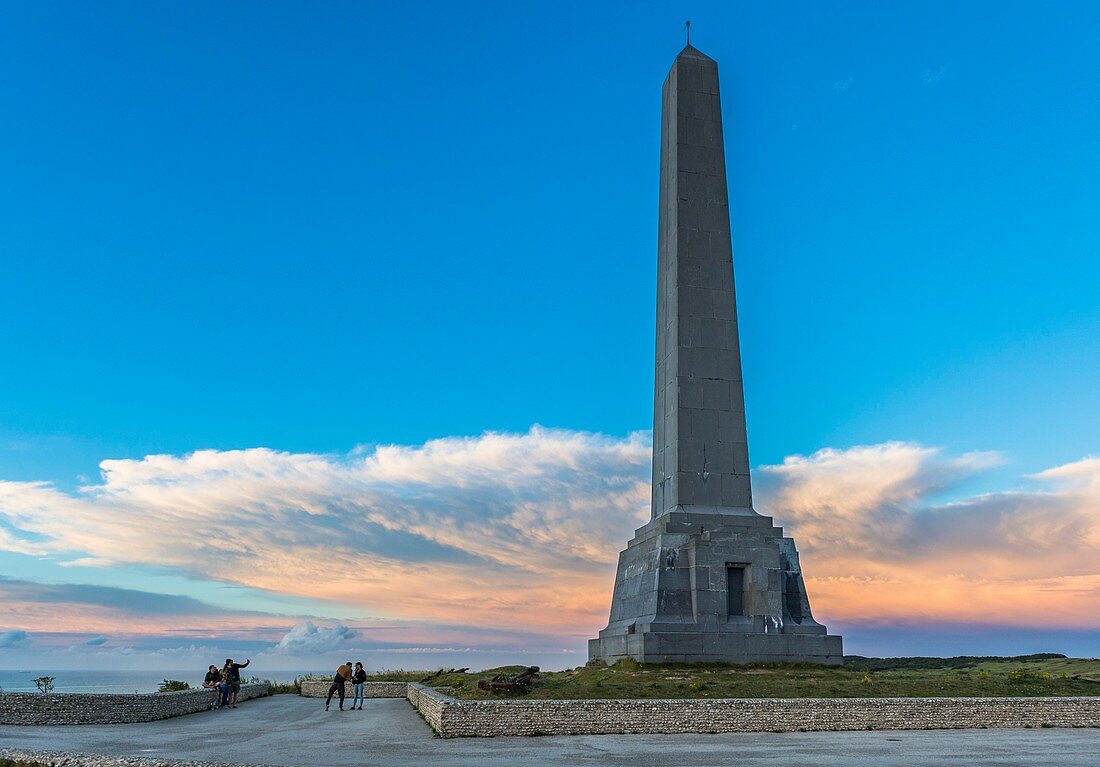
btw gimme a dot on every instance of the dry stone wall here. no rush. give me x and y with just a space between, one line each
318 688
431 704
453 718
35 708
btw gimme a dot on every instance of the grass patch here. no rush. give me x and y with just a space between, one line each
293 687
1026 676
285 688
400 675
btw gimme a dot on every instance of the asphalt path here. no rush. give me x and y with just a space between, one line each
297 732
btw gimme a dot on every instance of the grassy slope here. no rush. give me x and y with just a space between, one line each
861 678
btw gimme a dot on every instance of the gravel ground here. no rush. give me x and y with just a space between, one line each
62 759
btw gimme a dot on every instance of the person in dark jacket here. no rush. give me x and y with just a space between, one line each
212 681
231 677
343 674
359 679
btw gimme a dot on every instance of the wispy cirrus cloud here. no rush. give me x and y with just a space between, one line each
520 532
934 76
503 529
843 85
86 608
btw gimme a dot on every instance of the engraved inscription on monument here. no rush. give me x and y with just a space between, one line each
708 578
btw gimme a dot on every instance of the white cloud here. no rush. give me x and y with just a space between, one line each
13 638
306 638
880 547
510 527
520 532
864 497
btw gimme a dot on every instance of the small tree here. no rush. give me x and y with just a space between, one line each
173 685
44 684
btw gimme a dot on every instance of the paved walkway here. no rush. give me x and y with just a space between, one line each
286 730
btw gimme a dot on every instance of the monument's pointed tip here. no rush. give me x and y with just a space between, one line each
691 52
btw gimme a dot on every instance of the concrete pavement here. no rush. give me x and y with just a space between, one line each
296 732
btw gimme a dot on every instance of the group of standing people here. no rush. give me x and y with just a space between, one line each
226 683
348 673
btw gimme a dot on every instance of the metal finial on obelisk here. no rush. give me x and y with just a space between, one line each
687 30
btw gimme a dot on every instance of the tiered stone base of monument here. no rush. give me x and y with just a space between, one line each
661 646
712 585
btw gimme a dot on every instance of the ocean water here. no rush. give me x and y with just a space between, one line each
22 680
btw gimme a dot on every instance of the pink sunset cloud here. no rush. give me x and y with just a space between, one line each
519 533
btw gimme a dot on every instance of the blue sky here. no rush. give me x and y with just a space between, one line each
322 228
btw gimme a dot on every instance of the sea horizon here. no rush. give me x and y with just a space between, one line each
120 680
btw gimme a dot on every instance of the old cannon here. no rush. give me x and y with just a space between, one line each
503 683
443 672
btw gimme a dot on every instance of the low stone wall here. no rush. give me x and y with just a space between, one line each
318 688
431 704
35 708
452 718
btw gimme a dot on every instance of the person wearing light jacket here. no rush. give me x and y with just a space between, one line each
343 674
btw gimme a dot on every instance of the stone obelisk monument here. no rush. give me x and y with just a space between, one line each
708 578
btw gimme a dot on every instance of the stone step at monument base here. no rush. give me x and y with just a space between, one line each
708 647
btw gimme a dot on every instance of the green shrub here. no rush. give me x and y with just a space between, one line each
286 688
173 685
1027 676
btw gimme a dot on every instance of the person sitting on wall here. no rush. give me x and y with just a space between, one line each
235 679
212 681
359 679
343 674
224 687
